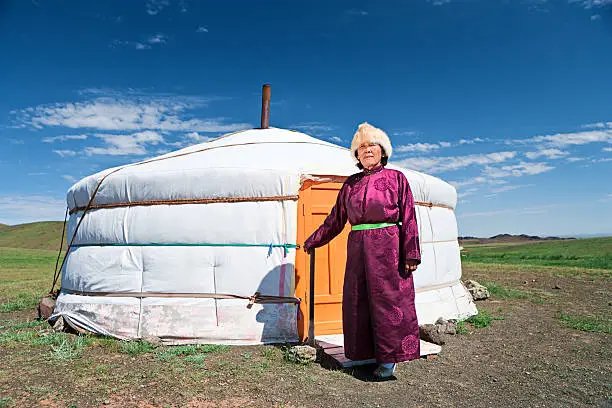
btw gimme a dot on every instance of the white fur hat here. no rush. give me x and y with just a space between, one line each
369 133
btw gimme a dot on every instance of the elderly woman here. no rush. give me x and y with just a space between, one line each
378 314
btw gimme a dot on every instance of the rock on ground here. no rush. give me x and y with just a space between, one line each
431 333
301 354
45 307
478 291
436 333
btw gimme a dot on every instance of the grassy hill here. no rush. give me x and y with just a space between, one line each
586 253
37 235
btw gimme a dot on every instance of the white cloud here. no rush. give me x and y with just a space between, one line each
470 141
69 178
355 12
130 113
574 159
468 192
405 133
421 147
509 188
196 137
16 141
561 140
201 29
486 213
607 149
427 147
548 153
19 209
418 147
313 127
63 138
598 125
65 153
336 139
38 174
517 170
132 44
476 180
469 182
147 44
438 2
442 164
157 39
155 6
589 4
123 145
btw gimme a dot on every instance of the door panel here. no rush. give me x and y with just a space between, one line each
316 201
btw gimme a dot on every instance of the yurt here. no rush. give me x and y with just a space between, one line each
202 245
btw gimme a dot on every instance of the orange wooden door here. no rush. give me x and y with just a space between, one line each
315 203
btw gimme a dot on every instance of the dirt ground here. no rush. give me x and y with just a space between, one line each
528 357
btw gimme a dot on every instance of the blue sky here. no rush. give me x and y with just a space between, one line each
511 101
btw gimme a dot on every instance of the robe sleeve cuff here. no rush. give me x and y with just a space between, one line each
414 255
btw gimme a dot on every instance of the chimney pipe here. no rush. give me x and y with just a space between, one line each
265 106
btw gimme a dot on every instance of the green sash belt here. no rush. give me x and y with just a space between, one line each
361 227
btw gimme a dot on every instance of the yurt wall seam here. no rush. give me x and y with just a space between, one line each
437 287
215 290
433 247
142 269
439 242
283 266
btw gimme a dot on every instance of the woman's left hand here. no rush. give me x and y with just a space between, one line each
411 265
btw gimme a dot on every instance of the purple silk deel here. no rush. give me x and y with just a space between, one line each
378 313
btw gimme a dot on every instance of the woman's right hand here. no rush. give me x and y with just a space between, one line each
307 250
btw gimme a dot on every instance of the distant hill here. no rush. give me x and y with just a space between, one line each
36 235
507 238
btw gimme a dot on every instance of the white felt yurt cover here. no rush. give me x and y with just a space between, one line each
224 247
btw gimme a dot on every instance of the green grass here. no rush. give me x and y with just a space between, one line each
592 253
171 352
26 275
10 325
462 328
24 258
134 348
69 348
597 324
21 301
37 235
482 319
505 293
5 402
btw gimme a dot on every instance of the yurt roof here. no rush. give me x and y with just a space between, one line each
225 164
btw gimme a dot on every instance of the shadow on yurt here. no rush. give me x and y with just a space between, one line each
201 245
